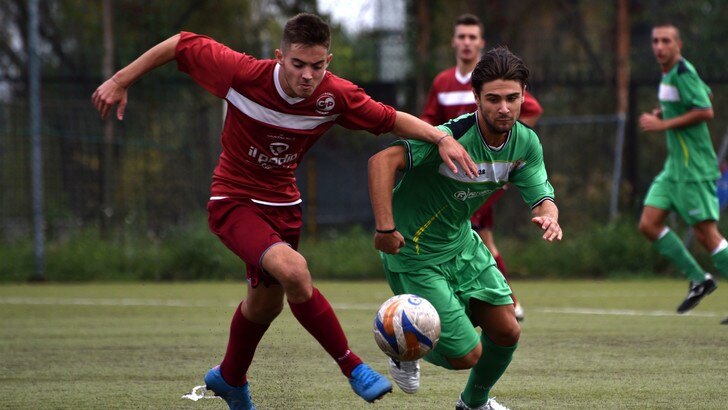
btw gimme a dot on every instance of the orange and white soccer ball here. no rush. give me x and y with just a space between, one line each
406 327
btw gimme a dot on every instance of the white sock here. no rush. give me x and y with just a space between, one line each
722 245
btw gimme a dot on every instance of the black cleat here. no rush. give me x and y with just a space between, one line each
697 292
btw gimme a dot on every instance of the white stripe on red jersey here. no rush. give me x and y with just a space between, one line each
266 133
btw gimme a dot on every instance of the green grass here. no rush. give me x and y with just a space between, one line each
585 344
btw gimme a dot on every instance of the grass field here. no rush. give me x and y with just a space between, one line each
584 345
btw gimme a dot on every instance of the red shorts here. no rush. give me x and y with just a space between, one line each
249 230
483 217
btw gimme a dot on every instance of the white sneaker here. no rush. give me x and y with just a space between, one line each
405 374
519 312
491 404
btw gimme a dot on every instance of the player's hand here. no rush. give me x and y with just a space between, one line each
550 227
650 122
453 152
389 242
108 94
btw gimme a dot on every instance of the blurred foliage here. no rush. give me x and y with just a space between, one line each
568 44
191 252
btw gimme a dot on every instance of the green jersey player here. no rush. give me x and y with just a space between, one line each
423 227
687 183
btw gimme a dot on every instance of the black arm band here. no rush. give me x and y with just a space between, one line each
386 230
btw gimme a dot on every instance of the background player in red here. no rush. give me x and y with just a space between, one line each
276 110
451 96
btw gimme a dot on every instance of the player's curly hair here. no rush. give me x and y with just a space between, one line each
498 64
306 29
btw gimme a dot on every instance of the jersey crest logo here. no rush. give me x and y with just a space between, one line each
325 103
276 148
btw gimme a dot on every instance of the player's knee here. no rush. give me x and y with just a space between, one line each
506 335
292 272
469 360
297 283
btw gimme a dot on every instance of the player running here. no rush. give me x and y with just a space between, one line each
427 245
687 183
451 96
277 109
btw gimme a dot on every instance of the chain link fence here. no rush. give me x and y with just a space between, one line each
155 171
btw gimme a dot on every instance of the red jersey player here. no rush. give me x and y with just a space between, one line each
276 110
451 96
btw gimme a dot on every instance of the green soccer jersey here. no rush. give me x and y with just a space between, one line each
690 153
432 205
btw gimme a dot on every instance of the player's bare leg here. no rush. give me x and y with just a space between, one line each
316 315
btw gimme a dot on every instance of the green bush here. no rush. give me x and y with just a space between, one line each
343 254
192 252
610 250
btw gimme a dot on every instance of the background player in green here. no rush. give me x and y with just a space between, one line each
423 227
687 183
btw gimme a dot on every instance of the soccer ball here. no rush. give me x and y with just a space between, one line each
406 327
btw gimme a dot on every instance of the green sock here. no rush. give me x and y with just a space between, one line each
491 366
671 247
438 360
720 261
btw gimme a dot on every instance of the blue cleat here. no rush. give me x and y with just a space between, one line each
369 384
238 398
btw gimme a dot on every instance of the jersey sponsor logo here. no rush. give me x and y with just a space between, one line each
275 159
449 98
668 92
468 194
325 103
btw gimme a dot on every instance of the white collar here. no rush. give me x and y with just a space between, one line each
462 79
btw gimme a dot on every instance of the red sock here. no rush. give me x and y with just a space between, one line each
244 338
502 267
319 319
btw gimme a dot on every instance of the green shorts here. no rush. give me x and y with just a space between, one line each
449 287
693 201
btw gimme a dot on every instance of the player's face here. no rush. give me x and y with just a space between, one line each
302 68
666 46
467 42
499 105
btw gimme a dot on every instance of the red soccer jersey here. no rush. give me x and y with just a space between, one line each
451 96
266 132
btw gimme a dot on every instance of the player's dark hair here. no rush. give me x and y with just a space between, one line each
470 20
306 29
498 64
668 24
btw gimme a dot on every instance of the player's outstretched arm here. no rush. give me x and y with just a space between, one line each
114 90
546 217
383 167
409 126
